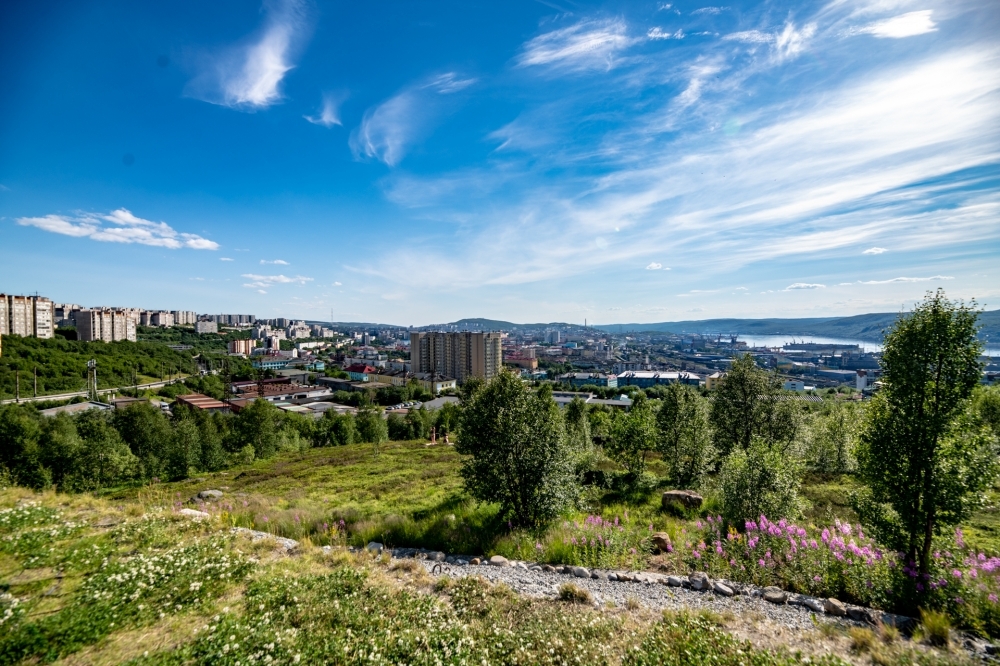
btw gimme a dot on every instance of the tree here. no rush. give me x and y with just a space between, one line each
59 447
515 451
105 459
747 405
922 455
256 425
147 432
19 432
371 427
335 429
758 481
578 425
600 425
684 438
831 442
446 419
633 435
184 451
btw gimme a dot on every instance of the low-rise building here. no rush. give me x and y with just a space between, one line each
648 379
714 380
201 402
794 385
206 327
578 379
360 372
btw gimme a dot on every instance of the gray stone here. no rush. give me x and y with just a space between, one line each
374 547
674 581
775 595
834 607
461 563
661 541
192 513
901 622
548 568
724 590
437 557
581 572
991 649
535 568
521 565
613 576
600 575
859 614
815 605
499 561
210 495
685 498
475 561
700 580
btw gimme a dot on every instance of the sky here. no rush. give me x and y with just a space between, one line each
419 162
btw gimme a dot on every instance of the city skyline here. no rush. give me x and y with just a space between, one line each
547 161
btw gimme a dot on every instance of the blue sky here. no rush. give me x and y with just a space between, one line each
414 162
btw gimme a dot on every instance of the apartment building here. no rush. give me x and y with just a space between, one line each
105 325
27 316
459 355
184 317
244 347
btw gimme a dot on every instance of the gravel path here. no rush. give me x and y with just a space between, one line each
651 593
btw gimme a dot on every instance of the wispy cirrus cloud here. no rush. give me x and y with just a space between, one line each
265 281
933 278
804 285
910 24
276 262
710 10
875 250
786 44
119 226
329 113
657 33
226 259
388 130
591 44
248 76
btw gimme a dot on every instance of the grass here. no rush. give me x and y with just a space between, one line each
575 594
158 589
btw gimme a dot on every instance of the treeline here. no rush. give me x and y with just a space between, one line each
62 364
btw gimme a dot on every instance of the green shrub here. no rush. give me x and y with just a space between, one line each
574 594
758 481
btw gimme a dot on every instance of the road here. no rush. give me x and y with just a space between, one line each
83 394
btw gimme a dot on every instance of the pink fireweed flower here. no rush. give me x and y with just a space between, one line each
767 555
959 538
709 519
651 527
956 573
804 544
718 549
670 548
817 579
992 598
718 519
697 555
760 562
632 550
732 562
698 524
826 536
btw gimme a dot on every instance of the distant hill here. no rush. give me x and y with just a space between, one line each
861 327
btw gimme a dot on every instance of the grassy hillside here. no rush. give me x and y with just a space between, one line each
86 581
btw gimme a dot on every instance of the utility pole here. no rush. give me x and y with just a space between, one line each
17 385
35 391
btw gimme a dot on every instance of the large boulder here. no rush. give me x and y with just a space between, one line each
210 495
775 595
834 607
581 572
700 581
499 561
685 498
661 541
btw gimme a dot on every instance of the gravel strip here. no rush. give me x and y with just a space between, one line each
653 595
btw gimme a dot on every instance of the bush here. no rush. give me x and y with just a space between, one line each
935 628
760 481
573 594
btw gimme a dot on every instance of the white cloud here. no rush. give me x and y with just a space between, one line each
933 278
654 266
710 10
337 284
874 250
226 259
898 27
263 281
388 130
586 45
277 262
119 226
804 285
329 114
248 76
657 33
785 45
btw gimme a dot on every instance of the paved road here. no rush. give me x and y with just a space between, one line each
70 396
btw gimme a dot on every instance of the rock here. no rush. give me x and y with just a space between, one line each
859 614
815 605
599 575
192 513
474 561
449 560
724 590
674 581
685 498
461 563
661 541
255 535
613 576
210 495
775 595
535 568
834 607
374 547
107 521
499 561
437 557
700 580
901 622
521 565
581 572
548 568
624 577
991 649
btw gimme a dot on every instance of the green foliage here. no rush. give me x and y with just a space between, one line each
517 456
747 405
578 425
184 452
19 452
684 438
147 432
923 455
832 437
633 436
62 364
335 429
986 406
256 425
758 481
447 418
105 459
371 427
